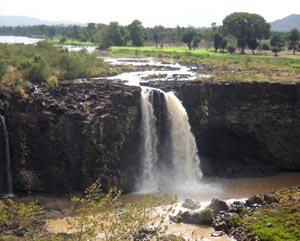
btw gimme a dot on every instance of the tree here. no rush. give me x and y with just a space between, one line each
196 41
245 27
223 44
253 44
231 48
293 38
159 33
218 37
115 34
188 36
137 33
277 42
265 47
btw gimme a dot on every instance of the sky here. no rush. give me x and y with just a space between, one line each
197 13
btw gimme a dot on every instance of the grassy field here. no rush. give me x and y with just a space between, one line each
223 66
56 40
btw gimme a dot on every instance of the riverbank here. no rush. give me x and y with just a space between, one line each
266 216
224 66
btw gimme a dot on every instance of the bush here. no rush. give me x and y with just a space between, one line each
3 67
110 217
206 216
234 220
39 72
231 49
52 81
22 219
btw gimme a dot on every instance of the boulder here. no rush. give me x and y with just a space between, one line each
191 204
217 205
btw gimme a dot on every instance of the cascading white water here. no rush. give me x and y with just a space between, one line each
5 171
185 160
149 152
184 169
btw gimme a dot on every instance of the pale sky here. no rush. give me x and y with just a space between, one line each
168 13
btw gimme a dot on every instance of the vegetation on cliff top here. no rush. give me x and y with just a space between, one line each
22 66
224 66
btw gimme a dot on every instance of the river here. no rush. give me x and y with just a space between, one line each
206 188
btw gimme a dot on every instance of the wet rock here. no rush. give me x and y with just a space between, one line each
255 200
271 198
217 205
204 217
217 234
191 204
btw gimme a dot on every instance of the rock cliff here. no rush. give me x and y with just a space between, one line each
62 139
244 129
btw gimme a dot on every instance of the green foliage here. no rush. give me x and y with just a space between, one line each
231 49
188 35
21 219
108 215
246 27
3 67
277 221
277 41
217 40
159 33
293 39
39 72
206 216
234 220
21 65
265 47
137 33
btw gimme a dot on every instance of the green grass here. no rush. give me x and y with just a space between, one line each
277 222
224 66
56 40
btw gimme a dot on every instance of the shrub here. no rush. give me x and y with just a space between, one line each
206 216
110 217
234 220
52 81
231 49
39 72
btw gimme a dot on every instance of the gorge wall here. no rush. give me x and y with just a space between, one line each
64 138
244 129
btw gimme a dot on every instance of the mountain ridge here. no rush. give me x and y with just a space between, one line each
7 20
286 24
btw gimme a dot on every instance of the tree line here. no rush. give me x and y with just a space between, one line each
239 30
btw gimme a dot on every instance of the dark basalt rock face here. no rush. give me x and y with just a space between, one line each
63 139
244 129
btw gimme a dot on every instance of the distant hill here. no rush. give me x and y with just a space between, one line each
286 24
28 21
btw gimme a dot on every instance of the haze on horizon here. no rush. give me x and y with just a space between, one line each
197 13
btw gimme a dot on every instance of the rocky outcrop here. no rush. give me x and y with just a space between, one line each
63 139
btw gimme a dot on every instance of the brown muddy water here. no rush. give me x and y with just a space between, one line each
226 189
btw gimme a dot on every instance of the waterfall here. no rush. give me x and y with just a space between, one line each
177 164
5 171
149 152
184 153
